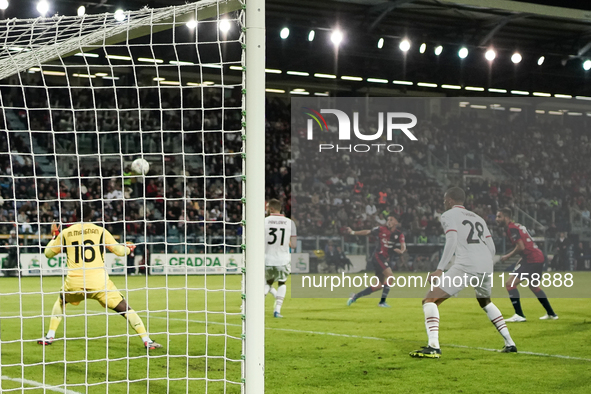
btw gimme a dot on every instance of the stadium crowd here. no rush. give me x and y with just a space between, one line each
199 193
196 194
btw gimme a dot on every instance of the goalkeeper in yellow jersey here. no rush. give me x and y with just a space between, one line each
84 244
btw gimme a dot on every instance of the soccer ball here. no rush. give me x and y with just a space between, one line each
140 166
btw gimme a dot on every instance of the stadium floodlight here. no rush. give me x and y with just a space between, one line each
298 73
377 80
119 15
192 24
541 60
438 50
404 45
81 10
149 60
351 78
225 25
327 76
118 57
184 63
423 48
3 4
381 43
463 53
336 37
284 33
311 35
516 58
490 55
587 65
87 54
43 7
427 85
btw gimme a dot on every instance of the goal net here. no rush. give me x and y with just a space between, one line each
81 99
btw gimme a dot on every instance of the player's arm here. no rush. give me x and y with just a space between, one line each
55 245
359 232
490 244
402 248
293 240
117 248
451 243
519 247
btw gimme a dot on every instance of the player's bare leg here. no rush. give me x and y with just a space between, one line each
496 318
137 324
57 314
279 297
432 300
270 289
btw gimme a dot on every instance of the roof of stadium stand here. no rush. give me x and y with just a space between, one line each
532 28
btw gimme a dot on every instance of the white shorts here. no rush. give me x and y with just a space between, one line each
277 273
457 279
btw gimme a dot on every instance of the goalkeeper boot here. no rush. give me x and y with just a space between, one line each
45 341
426 352
509 349
277 315
151 345
383 305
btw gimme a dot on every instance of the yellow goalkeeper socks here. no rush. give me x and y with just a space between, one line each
56 317
137 324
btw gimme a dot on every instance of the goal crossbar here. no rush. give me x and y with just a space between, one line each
78 33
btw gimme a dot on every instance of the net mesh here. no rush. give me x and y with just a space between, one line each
82 98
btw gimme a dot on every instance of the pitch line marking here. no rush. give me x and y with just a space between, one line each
362 337
377 338
40 385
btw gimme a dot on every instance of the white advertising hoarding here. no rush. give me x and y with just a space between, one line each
34 264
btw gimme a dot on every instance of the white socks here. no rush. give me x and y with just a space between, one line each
50 334
495 316
432 323
270 289
281 290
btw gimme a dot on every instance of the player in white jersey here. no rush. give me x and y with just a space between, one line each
281 235
466 235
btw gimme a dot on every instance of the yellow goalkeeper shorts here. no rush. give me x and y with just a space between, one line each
107 295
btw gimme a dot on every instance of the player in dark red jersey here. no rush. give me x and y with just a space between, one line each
531 262
389 247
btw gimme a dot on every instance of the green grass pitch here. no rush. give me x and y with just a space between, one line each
321 346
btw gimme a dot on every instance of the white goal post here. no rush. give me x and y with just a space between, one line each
182 87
